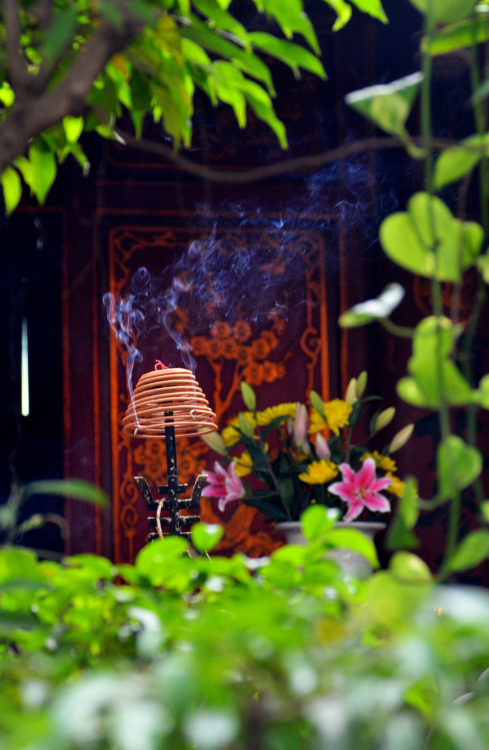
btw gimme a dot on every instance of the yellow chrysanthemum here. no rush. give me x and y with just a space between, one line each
397 486
319 472
316 423
337 413
230 434
382 462
243 464
280 410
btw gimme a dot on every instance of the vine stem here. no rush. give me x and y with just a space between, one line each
465 356
400 331
443 410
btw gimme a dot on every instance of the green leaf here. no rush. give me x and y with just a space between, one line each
156 560
287 492
485 509
432 346
400 533
194 52
245 425
73 127
289 53
249 396
481 93
484 392
429 241
78 153
43 171
447 11
262 105
19 565
463 34
354 540
410 568
221 19
483 268
387 105
76 488
100 567
12 189
60 33
112 13
343 12
317 403
373 8
205 536
459 465
7 96
11 621
227 80
292 19
408 503
455 162
472 550
25 168
317 521
400 537
176 122
245 61
373 309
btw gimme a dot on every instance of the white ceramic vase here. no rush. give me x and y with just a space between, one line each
351 563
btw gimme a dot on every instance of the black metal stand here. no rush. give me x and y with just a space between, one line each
172 503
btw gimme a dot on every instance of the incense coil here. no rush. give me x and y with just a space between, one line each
169 397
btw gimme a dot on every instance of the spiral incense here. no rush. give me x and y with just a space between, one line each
169 403
168 397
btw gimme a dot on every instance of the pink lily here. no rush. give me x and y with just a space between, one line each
224 484
361 489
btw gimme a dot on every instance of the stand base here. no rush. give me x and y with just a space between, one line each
174 523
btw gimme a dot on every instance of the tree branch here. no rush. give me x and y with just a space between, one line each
16 64
301 163
35 112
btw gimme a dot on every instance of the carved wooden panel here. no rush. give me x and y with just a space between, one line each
238 303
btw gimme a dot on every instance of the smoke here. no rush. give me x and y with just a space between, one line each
126 321
227 276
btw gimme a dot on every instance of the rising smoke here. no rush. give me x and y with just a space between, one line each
244 273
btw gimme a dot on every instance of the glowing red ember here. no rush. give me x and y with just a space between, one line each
160 366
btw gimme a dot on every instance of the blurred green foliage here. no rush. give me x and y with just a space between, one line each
181 651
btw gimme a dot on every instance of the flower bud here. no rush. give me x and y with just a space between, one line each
384 418
361 383
401 438
351 392
301 424
246 425
215 442
322 447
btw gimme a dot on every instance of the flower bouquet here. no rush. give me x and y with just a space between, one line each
290 456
